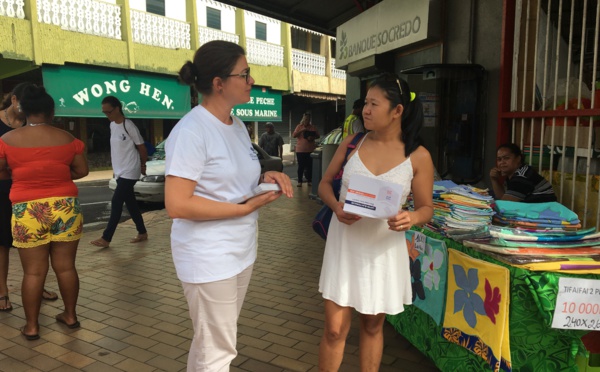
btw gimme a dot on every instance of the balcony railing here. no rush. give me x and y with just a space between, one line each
309 63
85 16
155 30
336 72
103 19
207 34
12 8
262 53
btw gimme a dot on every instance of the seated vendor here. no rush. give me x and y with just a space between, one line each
515 181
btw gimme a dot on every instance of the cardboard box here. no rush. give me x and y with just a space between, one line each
582 140
524 130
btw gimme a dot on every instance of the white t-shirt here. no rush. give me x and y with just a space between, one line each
124 155
221 159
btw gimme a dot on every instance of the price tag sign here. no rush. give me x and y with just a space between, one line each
577 304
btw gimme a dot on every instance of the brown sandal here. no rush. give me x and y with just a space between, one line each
6 299
49 296
100 243
139 238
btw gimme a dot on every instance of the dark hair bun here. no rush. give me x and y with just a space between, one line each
188 73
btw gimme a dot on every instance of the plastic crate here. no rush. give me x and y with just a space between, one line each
590 364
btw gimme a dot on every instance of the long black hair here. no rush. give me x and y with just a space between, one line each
216 58
398 92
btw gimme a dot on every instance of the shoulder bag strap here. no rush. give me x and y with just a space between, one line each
352 146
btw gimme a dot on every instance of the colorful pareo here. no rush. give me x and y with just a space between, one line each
41 221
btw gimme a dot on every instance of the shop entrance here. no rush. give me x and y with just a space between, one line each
453 97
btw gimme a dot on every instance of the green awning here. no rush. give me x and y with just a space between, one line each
264 105
78 92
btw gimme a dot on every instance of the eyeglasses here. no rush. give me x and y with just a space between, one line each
108 112
245 75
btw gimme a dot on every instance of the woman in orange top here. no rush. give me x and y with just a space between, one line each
306 134
46 221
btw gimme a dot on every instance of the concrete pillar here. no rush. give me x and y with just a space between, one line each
240 27
126 31
191 12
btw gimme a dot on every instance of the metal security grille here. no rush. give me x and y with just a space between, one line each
550 95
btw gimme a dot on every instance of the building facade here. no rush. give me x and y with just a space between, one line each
84 50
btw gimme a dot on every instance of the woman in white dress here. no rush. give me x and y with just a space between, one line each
366 263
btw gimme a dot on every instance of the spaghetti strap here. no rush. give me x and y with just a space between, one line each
361 141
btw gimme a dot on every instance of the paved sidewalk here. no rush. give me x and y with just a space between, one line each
134 315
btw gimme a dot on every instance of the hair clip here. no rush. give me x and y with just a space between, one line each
399 86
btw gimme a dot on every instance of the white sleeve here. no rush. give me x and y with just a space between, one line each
134 132
186 155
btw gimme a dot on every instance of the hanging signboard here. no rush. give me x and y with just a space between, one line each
577 304
78 92
264 105
386 26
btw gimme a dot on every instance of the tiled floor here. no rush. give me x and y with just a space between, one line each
134 316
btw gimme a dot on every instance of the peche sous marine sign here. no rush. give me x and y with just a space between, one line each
384 37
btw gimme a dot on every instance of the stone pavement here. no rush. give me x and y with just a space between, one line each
134 315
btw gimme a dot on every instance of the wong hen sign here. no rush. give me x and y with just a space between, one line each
78 92
389 25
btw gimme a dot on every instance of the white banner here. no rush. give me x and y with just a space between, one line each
577 304
386 26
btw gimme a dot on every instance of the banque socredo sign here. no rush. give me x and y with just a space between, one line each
386 26
78 92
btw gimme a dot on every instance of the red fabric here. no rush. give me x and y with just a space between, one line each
592 342
41 172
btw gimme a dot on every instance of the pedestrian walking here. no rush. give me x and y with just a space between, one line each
271 141
128 156
209 161
46 217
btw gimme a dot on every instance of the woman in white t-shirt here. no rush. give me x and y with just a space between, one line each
210 161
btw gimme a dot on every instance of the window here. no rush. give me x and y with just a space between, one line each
261 31
316 44
299 38
213 18
333 46
156 7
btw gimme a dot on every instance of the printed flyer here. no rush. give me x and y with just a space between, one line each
370 197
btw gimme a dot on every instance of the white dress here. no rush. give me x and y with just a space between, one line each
366 265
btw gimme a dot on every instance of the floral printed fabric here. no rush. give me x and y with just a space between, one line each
534 345
477 308
42 221
428 269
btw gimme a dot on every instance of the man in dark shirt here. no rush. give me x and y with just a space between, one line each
271 141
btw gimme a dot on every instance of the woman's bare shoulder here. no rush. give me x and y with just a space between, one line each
421 153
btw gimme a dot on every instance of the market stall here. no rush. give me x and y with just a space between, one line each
478 310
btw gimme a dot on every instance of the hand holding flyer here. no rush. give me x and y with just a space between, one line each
258 190
370 197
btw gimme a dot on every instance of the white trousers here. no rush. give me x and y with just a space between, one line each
214 309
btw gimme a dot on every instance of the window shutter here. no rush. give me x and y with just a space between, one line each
213 18
261 31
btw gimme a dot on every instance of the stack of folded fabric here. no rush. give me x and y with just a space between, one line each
541 237
551 216
460 210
